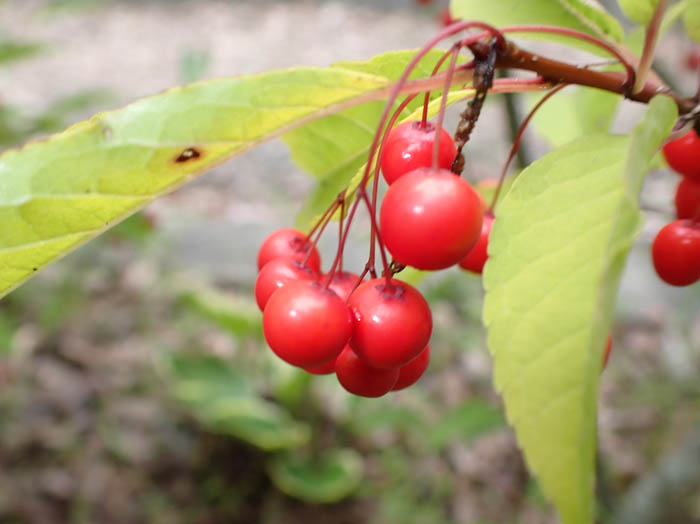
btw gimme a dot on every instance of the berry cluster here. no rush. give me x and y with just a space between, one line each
373 332
676 248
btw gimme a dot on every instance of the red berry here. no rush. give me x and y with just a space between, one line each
608 348
277 273
476 258
343 284
676 253
306 324
288 242
411 372
360 379
430 219
391 323
683 154
325 369
688 198
409 146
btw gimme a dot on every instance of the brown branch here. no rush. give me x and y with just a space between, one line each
513 57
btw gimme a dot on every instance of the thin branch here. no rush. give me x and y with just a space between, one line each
650 41
564 73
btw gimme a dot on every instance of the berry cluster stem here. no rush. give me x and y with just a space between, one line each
579 35
564 73
454 51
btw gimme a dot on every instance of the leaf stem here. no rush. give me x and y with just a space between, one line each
650 40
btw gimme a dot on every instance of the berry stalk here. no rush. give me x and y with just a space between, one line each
443 102
516 144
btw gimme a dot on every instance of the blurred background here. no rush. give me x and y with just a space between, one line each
134 382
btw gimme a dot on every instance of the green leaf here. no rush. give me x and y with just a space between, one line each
222 400
574 113
639 11
557 250
634 40
574 14
691 19
318 480
467 422
59 193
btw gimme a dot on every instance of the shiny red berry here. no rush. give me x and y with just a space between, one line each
477 256
430 219
676 253
288 242
277 273
683 155
361 379
343 283
409 146
391 323
411 372
306 324
688 198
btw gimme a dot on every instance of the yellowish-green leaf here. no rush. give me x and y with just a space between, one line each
58 193
691 18
580 15
639 11
575 112
557 250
